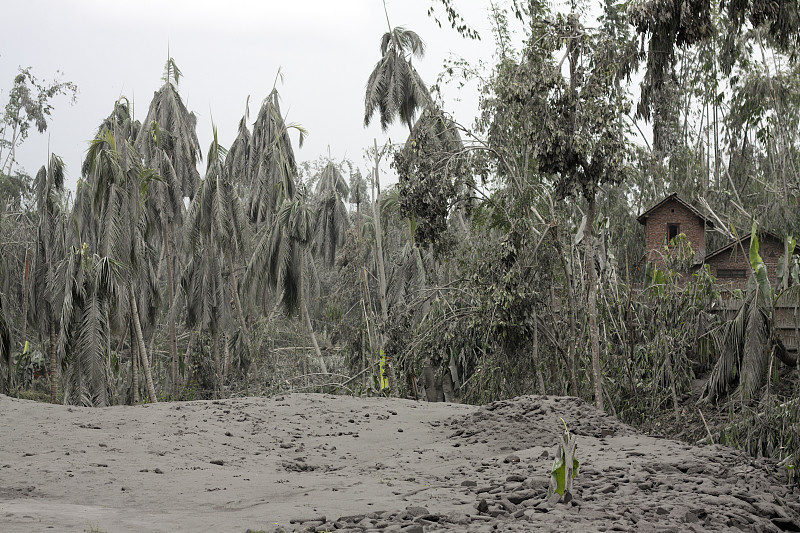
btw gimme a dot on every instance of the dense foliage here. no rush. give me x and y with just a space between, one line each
506 261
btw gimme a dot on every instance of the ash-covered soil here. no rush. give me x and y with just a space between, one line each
307 462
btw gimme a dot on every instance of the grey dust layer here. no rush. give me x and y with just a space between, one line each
306 462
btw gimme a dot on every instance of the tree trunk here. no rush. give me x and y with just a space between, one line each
25 281
187 358
9 373
53 363
376 210
240 314
238 302
226 362
306 318
134 365
13 150
137 325
217 363
307 321
358 224
572 359
173 338
594 333
539 377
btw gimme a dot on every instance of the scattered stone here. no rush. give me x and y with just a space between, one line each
416 511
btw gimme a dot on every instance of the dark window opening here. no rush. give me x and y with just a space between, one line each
672 231
730 273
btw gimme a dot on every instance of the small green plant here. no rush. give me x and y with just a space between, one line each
565 465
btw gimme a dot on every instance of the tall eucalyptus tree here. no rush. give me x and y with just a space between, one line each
580 140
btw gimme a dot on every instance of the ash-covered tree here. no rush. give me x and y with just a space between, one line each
119 182
563 125
168 143
272 165
332 218
217 234
394 88
434 175
30 103
50 249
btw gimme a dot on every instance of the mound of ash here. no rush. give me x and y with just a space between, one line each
529 421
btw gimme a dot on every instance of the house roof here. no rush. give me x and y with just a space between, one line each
674 196
744 238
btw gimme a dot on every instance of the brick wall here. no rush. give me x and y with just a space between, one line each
737 259
673 212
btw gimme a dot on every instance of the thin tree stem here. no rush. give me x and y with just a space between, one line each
151 391
594 333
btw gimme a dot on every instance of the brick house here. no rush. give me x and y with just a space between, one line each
668 219
729 264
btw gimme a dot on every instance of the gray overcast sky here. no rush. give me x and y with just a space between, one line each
226 51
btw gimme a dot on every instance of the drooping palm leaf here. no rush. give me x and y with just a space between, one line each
394 88
272 163
332 218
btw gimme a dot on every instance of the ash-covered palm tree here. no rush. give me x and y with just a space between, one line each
237 162
168 113
394 88
358 195
119 184
409 271
271 160
273 174
745 343
50 248
282 257
89 295
331 213
168 143
217 236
